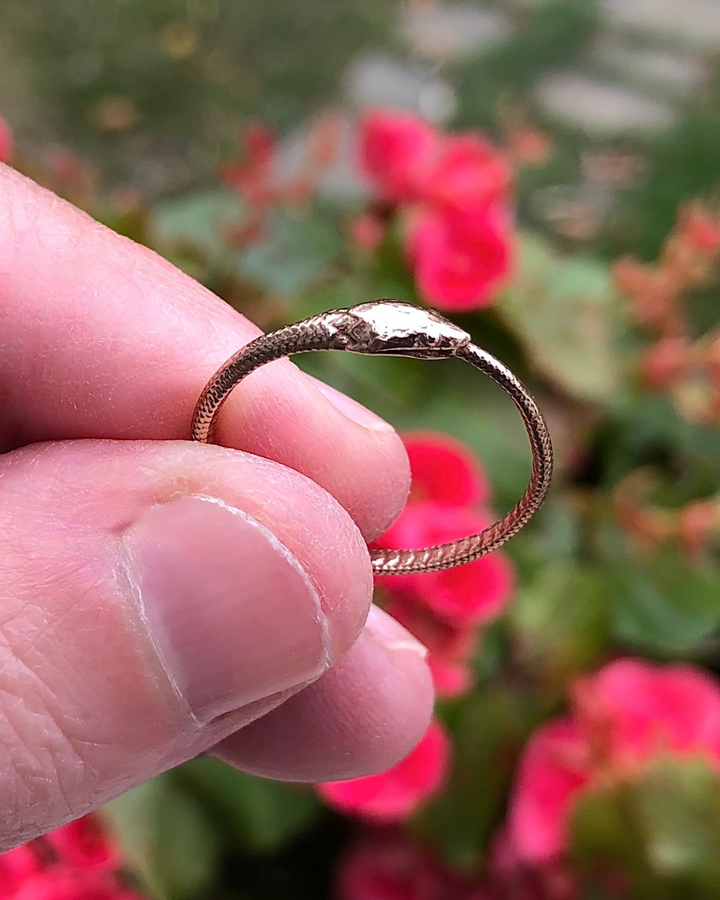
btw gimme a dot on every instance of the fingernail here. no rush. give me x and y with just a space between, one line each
351 408
391 633
232 614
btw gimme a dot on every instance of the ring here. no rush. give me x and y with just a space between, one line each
392 328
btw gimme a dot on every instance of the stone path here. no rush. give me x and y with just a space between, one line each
602 110
695 23
646 61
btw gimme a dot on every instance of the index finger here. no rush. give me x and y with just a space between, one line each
101 338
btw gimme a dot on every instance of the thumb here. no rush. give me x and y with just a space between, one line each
155 598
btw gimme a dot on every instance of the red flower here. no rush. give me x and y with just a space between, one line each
508 877
16 866
396 794
444 469
638 710
444 609
700 230
6 142
467 595
553 769
85 844
386 866
366 232
61 884
449 647
625 716
451 678
251 176
663 363
461 258
260 143
76 862
469 175
460 243
396 151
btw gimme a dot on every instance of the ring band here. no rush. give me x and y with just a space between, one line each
391 328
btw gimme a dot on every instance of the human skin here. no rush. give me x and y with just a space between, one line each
160 598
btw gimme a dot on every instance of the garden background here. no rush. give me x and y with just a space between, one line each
545 173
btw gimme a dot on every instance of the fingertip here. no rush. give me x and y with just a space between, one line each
361 717
366 469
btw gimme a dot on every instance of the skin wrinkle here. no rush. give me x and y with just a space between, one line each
114 369
47 735
18 657
267 493
38 722
204 331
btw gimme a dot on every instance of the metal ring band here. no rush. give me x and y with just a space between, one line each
387 327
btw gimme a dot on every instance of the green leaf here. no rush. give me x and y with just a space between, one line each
561 620
488 731
296 251
197 221
262 815
679 811
564 312
660 829
167 838
605 834
663 604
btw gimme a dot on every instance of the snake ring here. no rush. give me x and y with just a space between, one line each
391 328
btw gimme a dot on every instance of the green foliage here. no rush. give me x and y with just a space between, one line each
565 313
175 828
488 732
663 604
245 60
261 816
587 589
561 619
660 829
293 252
168 837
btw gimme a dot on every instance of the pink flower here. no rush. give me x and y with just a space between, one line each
625 716
469 174
450 648
16 866
700 230
396 794
7 143
508 877
554 767
260 143
461 258
665 362
250 177
366 231
444 469
456 192
65 884
444 609
640 710
85 844
76 862
396 151
451 678
467 595
386 866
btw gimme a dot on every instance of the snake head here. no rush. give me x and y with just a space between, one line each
401 329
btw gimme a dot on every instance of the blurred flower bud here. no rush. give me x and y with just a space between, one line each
398 793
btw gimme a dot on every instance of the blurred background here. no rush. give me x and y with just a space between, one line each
544 172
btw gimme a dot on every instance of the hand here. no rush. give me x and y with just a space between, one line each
160 598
